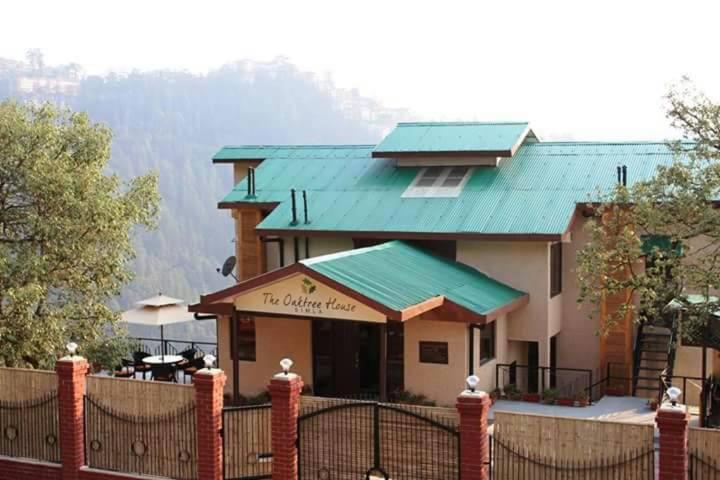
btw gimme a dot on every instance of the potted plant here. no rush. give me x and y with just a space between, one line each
495 394
550 396
512 392
652 404
581 399
531 397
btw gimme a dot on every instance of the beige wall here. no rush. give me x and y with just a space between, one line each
578 343
441 383
525 266
276 338
318 246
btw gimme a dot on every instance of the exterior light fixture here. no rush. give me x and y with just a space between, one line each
209 361
673 394
72 348
286 364
472 382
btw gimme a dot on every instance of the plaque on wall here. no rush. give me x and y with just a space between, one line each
434 352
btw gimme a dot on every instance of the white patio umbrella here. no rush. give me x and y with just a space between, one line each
158 311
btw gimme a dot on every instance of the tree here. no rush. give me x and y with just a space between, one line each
66 230
678 208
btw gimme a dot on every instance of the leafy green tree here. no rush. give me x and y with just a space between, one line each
65 231
679 205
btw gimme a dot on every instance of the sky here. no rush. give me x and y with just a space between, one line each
576 70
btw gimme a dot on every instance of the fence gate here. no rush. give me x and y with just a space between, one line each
247 442
376 441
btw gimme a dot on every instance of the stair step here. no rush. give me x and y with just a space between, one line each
641 387
654 379
651 369
653 350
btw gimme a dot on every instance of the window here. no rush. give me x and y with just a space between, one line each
487 342
434 352
440 182
245 338
555 269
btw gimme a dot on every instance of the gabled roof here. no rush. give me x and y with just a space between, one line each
400 275
480 138
534 193
396 279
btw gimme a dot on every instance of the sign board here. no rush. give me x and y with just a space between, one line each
300 295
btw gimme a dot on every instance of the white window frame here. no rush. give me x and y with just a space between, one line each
436 190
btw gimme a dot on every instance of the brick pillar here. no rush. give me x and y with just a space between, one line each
285 393
71 373
209 385
474 441
672 422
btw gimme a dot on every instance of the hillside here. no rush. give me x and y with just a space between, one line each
173 122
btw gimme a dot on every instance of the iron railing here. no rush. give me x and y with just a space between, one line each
703 467
637 356
510 462
174 347
247 442
29 428
611 381
354 439
567 383
162 445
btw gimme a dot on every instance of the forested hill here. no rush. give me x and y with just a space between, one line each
173 122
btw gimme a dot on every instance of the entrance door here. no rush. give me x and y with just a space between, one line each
346 358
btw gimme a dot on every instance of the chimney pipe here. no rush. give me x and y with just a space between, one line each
619 174
294 207
305 206
252 172
624 175
249 183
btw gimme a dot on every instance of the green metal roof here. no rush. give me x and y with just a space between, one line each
534 192
399 275
453 137
261 152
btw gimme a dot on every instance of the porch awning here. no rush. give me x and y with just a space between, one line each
394 280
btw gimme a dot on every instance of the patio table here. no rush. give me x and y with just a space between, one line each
163 359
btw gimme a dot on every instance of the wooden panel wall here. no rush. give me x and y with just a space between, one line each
22 384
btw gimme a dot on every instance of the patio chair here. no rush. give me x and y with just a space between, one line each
187 354
192 367
138 364
163 373
125 370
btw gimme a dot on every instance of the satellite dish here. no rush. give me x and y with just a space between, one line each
228 266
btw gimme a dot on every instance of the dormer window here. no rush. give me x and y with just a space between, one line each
439 182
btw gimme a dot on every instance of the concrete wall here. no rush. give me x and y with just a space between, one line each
441 383
525 266
578 343
276 339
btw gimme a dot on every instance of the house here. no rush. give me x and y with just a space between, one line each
446 249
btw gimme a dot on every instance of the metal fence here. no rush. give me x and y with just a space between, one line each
174 347
566 383
161 445
347 440
703 467
29 428
510 462
247 442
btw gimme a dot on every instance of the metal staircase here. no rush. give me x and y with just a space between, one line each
654 348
